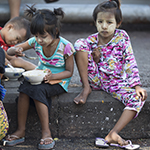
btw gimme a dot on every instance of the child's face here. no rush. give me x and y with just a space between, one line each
106 24
14 36
44 40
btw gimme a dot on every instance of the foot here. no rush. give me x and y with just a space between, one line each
82 97
113 137
46 137
16 135
13 139
46 141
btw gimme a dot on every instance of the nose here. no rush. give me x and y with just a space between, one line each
39 40
16 42
104 25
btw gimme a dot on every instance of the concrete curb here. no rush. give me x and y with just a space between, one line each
95 118
82 13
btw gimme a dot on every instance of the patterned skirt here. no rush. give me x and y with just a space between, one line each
4 125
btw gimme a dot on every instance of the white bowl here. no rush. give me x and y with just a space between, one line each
13 75
34 76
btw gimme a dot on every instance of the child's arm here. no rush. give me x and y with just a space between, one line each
141 92
62 75
18 49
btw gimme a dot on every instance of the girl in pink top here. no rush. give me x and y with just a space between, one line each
105 61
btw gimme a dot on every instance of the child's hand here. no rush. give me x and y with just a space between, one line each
18 51
141 93
96 55
48 77
15 51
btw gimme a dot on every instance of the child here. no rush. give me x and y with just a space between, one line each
105 61
55 54
15 31
4 125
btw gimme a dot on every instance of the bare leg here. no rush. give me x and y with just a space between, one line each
19 62
14 6
82 64
42 111
125 118
23 106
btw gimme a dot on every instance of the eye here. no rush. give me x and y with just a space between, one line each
100 21
44 36
18 40
109 22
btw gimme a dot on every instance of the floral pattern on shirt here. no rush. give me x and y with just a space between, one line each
117 71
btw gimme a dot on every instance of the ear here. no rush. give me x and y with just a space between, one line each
9 26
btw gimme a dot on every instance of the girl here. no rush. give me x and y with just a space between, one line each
56 54
105 61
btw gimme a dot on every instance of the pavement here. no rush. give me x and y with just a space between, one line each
75 127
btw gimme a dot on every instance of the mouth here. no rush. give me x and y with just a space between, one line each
11 43
41 44
104 32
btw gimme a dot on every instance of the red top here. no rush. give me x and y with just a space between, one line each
3 45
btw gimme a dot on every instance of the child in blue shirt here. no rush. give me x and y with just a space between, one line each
56 55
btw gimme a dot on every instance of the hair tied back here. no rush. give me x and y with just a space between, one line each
30 12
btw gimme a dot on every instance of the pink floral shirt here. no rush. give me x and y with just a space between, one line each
117 66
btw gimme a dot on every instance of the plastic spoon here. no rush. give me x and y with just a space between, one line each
30 57
14 69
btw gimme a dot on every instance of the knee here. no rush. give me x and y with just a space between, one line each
16 62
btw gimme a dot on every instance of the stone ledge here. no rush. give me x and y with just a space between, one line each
95 118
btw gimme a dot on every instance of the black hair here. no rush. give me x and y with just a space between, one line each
21 23
109 6
44 20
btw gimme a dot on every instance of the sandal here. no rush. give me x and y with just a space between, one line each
101 143
14 142
46 146
130 146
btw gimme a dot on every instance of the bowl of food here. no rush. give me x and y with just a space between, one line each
34 76
13 74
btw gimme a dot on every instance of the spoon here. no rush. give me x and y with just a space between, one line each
14 69
33 58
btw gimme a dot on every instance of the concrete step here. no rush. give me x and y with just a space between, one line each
82 12
68 120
